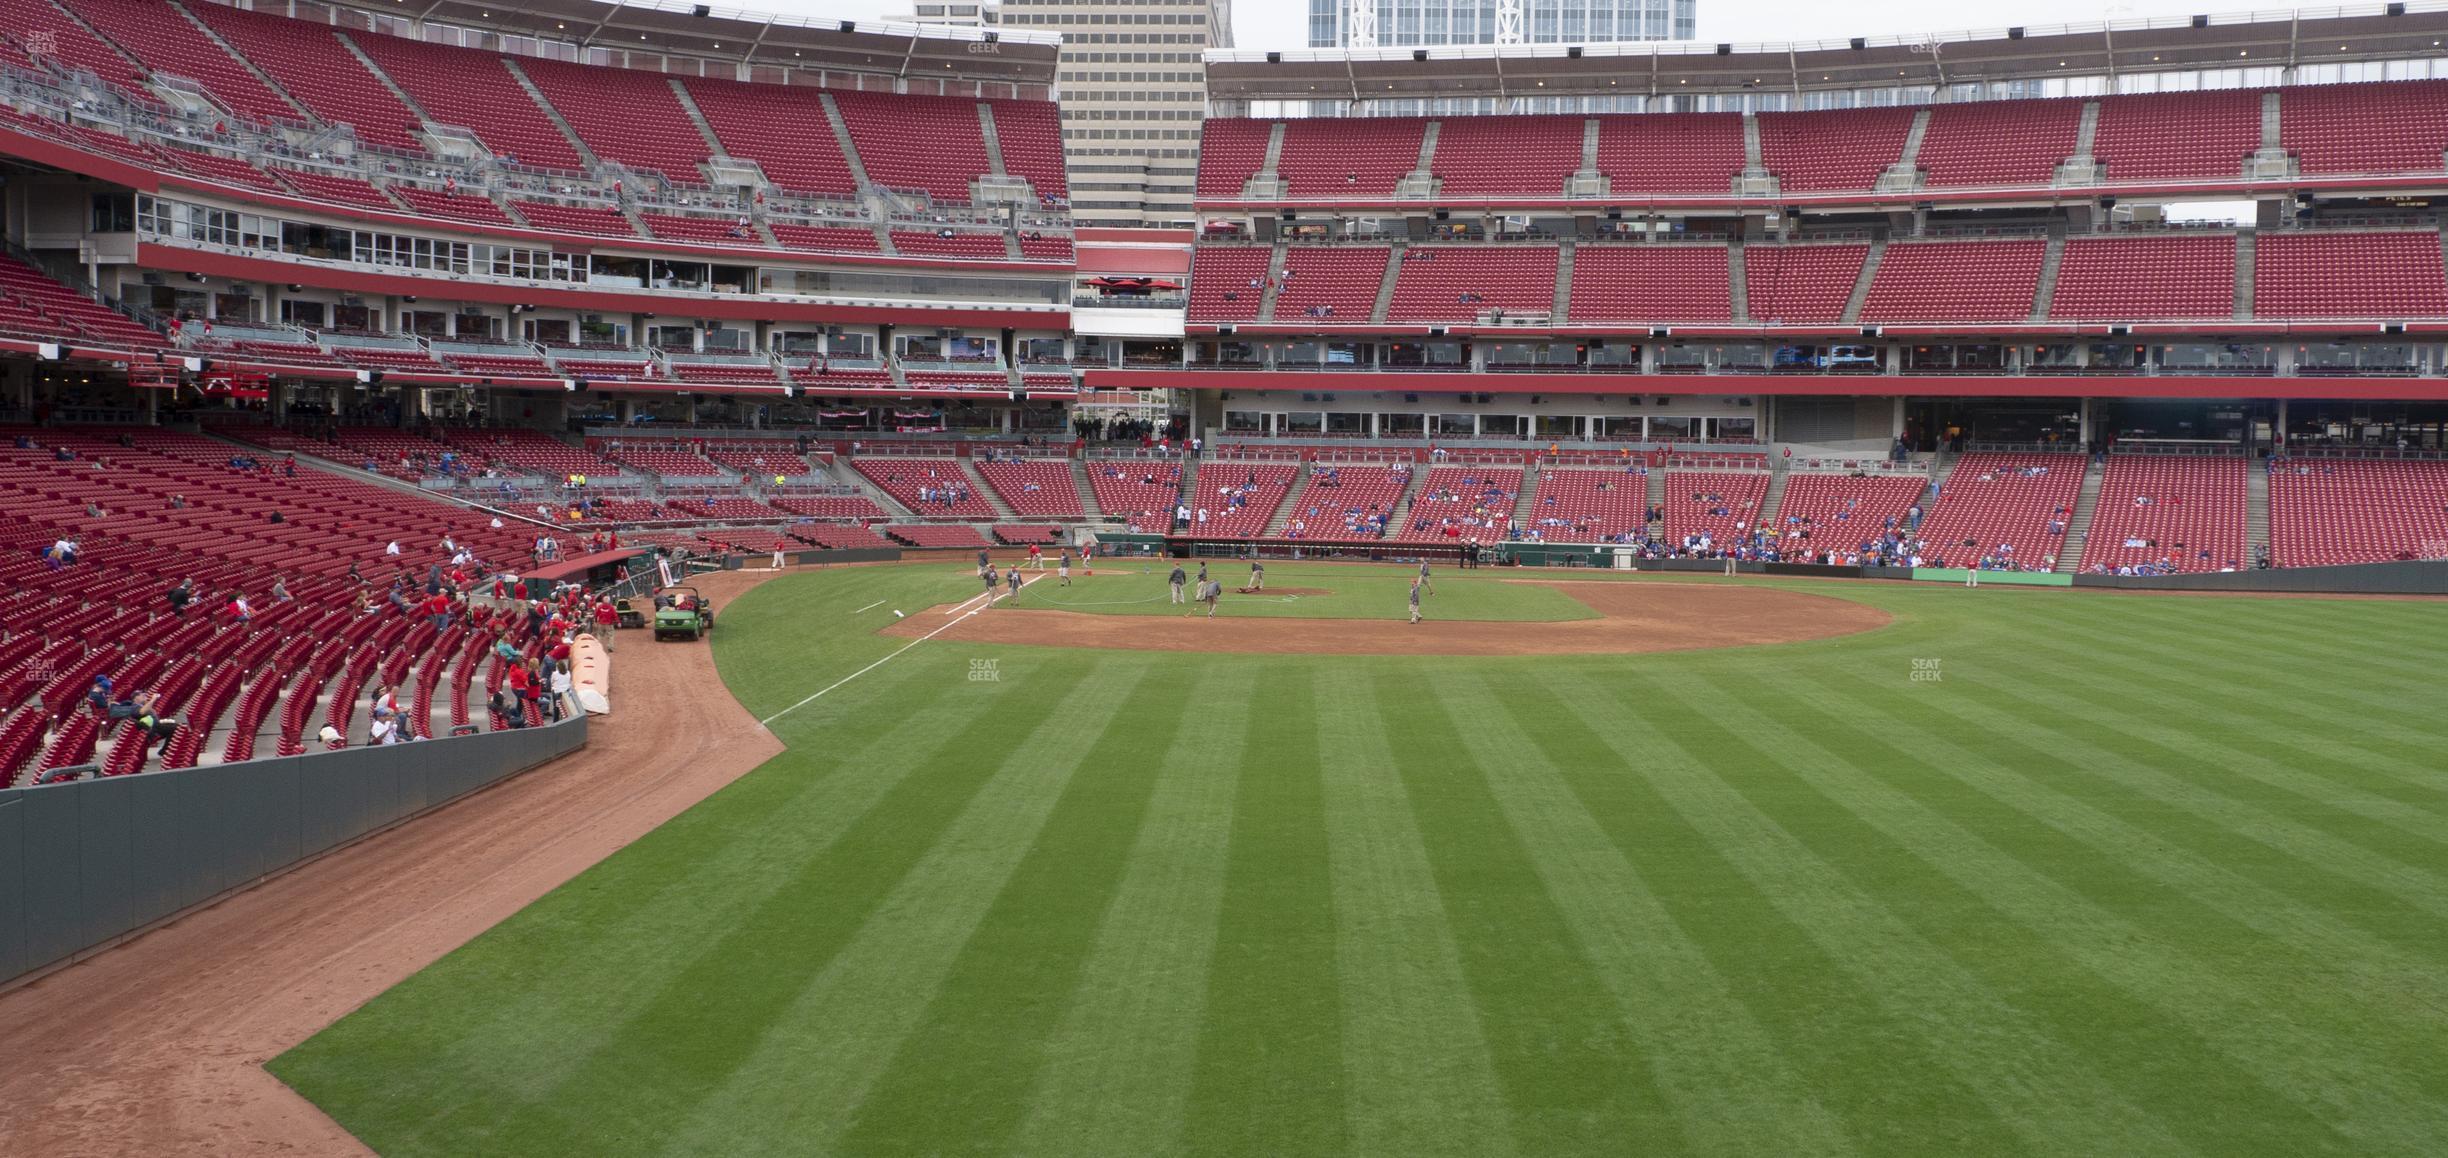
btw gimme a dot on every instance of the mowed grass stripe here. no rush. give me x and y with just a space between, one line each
1117 1071
1827 1029
2197 1045
2239 842
2281 977
602 951
1269 1075
817 1053
2172 773
1417 1069
642 1035
981 1042
1726 1087
2045 1091
1573 1080
2287 747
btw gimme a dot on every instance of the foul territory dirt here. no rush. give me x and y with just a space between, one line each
156 1047
1633 617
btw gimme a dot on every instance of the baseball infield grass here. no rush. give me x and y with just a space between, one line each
2026 872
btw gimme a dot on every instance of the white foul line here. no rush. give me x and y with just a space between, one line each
767 722
869 607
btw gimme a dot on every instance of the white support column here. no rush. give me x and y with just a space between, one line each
1897 425
2083 433
1360 24
1509 22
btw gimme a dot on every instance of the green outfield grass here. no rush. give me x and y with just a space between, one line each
1352 592
2027 872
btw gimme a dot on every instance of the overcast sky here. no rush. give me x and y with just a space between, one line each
1284 23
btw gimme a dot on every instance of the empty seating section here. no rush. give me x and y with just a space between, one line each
784 128
760 461
1326 157
74 47
1671 152
927 486
955 380
839 538
35 303
825 238
624 116
1023 534
607 368
745 375
1721 505
1030 136
1841 512
2324 513
412 358
226 170
164 40
1340 279
2399 127
830 506
339 190
1833 149
1461 502
935 145
598 220
531 450
1143 494
310 63
1523 156
1650 283
2130 278
474 91
937 535
663 461
1441 283
1228 282
1035 488
1239 498
2349 275
839 378
1046 248
454 206
1347 502
1231 151
1992 501
1587 506
732 510
498 365
699 230
1799 283
1998 142
2177 134
975 246
2185 512
1960 281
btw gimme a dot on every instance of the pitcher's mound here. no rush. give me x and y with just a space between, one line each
1634 617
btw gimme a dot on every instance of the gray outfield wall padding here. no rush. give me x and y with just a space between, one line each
2426 577
92 860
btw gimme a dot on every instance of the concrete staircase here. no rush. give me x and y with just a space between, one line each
1291 507
1563 285
1385 286
2045 295
840 473
1772 505
1738 282
696 116
242 60
550 113
2256 512
994 141
1087 489
2245 248
397 93
977 483
1861 286
841 137
1274 281
1402 503
1525 498
1656 501
2078 526
1190 470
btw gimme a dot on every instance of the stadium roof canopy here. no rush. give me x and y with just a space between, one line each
686 28
2371 32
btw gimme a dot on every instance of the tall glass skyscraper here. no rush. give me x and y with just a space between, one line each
1407 23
